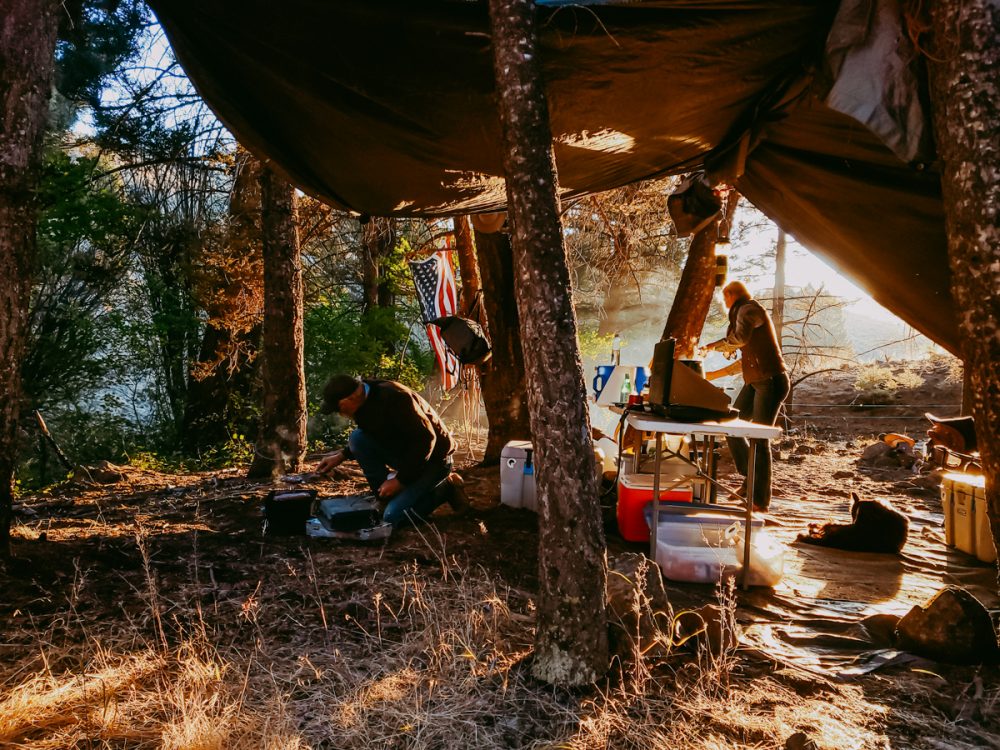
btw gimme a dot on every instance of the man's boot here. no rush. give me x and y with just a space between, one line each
457 498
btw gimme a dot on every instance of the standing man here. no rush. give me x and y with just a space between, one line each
765 380
396 429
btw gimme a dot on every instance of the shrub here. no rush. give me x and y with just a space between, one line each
875 385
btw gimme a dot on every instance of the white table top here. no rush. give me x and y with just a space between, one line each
732 428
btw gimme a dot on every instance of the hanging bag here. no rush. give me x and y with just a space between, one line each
465 337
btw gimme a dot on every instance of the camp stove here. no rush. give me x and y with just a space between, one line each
356 518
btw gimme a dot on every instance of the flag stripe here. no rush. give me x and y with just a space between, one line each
434 281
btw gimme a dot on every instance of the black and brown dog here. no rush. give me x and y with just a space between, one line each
875 527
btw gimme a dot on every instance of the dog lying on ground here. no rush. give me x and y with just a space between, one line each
876 527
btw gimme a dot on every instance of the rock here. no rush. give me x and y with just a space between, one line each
800 741
883 455
873 452
639 615
710 625
927 481
881 628
796 459
843 474
953 626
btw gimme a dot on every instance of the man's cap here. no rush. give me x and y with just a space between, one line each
965 426
338 387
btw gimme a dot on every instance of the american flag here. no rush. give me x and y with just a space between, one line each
435 283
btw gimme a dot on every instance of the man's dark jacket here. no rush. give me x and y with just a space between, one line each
405 426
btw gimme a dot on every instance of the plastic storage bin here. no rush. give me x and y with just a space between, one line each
635 496
966 525
709 564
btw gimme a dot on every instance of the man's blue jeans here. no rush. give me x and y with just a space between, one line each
417 499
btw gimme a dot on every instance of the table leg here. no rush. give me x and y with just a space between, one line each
713 472
751 460
656 496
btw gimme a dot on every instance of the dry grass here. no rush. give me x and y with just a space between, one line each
425 660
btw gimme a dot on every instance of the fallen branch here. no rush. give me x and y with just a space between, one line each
52 441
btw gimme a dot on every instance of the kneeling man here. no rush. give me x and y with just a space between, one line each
397 429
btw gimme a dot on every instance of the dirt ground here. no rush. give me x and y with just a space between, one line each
147 564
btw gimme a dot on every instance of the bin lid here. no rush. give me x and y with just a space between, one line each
702 516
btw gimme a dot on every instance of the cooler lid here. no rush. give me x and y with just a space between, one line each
972 480
517 449
645 481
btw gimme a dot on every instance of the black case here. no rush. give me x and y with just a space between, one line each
286 511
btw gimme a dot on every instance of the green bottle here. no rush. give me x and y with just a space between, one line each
626 389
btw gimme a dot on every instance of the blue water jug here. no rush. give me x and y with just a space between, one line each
601 379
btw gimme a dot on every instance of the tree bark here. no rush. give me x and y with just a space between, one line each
571 639
27 55
693 300
378 238
467 265
281 444
505 393
964 67
778 296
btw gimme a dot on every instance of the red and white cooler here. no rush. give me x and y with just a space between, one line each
635 493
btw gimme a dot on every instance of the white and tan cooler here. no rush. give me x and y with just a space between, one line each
966 524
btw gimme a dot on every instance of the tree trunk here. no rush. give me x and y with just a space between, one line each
467 265
281 444
571 640
27 55
778 308
967 399
696 288
778 296
378 238
694 293
505 393
964 66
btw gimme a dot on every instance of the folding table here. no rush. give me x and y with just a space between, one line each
759 436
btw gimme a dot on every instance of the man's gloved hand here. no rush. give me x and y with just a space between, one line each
331 462
390 488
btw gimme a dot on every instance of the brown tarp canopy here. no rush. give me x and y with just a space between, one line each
385 107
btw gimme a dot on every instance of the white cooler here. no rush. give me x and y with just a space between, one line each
517 475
